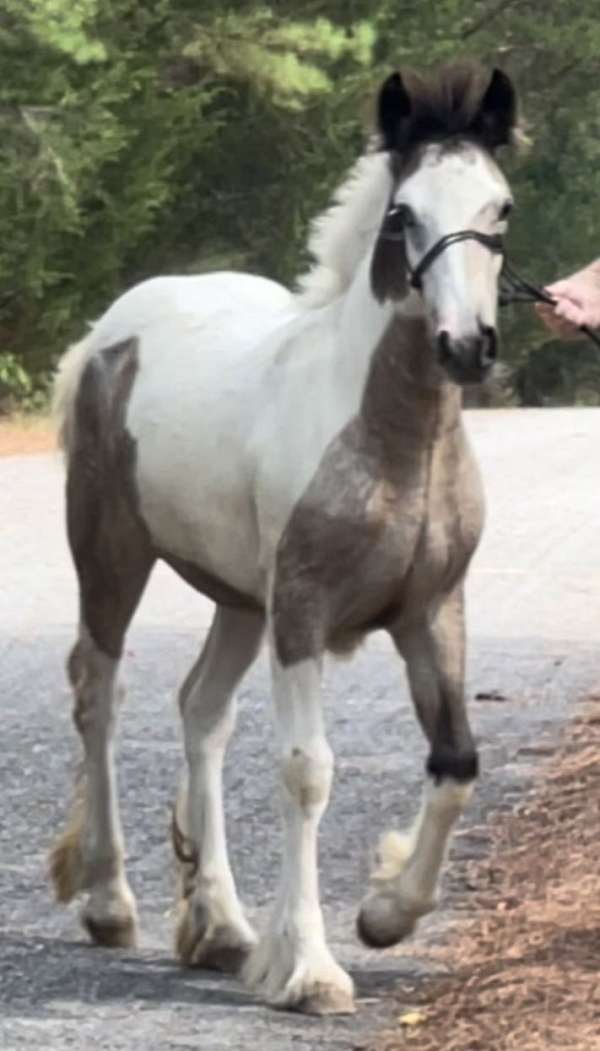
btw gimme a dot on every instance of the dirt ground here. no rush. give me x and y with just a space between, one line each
21 435
523 974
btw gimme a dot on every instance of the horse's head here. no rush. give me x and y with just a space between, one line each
441 236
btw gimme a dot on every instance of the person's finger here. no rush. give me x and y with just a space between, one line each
563 291
568 310
565 287
555 288
545 311
557 325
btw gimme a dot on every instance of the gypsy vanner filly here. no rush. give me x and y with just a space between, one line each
299 458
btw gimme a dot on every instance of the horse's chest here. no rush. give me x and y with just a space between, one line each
365 542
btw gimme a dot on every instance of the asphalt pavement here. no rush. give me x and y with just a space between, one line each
534 625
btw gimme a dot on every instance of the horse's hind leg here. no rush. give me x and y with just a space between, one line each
212 930
405 884
113 557
88 856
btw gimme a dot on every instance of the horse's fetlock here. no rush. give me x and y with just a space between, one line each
449 797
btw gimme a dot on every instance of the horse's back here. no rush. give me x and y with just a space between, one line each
185 303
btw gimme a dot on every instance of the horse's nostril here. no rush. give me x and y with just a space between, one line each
444 345
489 346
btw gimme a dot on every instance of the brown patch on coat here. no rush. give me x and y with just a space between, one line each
109 541
389 266
390 519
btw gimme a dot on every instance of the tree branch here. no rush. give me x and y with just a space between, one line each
491 13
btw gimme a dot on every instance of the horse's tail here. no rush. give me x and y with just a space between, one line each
66 385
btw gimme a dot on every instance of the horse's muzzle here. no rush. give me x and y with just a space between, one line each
468 360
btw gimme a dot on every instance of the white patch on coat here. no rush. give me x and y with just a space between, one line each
343 235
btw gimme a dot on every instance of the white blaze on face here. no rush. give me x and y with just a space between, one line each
451 190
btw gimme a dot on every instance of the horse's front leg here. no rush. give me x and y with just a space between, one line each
404 885
292 963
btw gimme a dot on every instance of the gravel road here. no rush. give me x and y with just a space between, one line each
534 621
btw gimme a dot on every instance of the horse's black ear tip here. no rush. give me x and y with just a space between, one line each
394 103
501 83
393 83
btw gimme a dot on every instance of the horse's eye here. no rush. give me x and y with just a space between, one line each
399 217
505 211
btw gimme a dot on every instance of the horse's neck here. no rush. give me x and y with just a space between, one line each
385 362
405 391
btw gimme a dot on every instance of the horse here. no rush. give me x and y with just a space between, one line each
298 457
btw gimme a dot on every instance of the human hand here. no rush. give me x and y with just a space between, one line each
577 303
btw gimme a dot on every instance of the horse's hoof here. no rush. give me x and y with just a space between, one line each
210 955
296 981
110 916
226 949
385 920
326 1000
112 933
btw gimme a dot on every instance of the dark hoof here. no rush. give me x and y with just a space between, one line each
384 936
120 934
228 959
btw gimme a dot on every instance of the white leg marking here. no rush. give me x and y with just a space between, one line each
293 964
404 885
89 856
212 929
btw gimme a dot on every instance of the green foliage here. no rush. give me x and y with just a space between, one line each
275 58
63 27
177 136
15 384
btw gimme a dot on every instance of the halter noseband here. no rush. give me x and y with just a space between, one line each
513 287
492 241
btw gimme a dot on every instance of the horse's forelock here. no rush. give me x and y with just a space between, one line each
445 106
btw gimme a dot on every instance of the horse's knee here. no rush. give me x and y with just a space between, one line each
307 774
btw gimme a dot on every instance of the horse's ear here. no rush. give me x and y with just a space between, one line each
496 117
394 107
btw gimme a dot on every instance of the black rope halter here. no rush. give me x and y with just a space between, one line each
513 287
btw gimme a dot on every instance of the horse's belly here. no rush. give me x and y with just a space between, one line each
201 516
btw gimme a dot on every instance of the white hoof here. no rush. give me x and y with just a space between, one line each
297 979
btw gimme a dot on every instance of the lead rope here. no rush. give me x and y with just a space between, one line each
515 289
